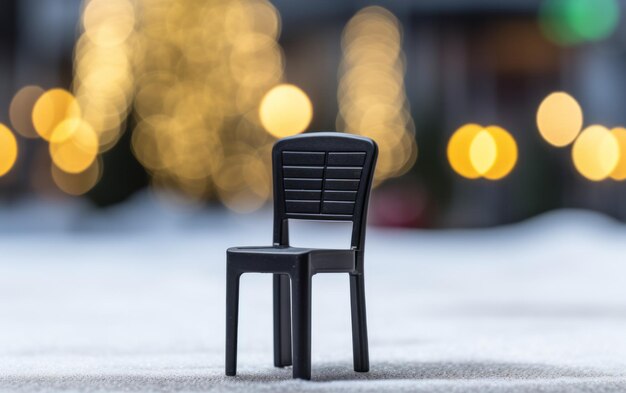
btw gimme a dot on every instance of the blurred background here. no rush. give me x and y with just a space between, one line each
486 112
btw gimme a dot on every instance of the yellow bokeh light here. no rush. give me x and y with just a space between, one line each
249 53
559 119
458 150
197 72
243 183
103 78
21 109
80 183
73 145
258 16
483 152
507 153
285 110
371 93
475 151
107 56
108 22
8 150
53 107
596 153
619 173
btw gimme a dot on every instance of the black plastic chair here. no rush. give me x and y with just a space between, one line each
317 176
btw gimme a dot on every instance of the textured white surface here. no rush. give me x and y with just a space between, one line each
540 306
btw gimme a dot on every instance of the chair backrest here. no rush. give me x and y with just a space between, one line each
323 176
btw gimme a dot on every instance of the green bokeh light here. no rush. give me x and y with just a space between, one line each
569 22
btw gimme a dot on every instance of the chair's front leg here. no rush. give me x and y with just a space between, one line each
232 311
359 323
282 321
301 310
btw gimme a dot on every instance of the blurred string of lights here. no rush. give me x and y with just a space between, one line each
208 78
103 67
371 94
570 22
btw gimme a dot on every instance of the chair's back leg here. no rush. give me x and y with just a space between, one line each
359 323
301 309
232 311
282 321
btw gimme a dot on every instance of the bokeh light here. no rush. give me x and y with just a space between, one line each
475 151
77 183
570 22
619 173
73 145
104 57
596 153
507 153
108 22
285 110
244 173
53 107
559 119
483 152
458 150
8 150
201 70
371 95
21 110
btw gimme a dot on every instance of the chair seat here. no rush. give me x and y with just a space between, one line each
274 259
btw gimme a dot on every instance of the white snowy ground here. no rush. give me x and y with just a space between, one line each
133 300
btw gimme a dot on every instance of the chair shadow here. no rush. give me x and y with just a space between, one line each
435 370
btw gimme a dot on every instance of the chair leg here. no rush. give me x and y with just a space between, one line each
359 323
282 321
301 309
232 311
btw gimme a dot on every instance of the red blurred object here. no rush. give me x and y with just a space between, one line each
404 206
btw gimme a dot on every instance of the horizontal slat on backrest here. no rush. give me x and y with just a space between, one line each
303 184
303 194
330 195
311 207
346 159
343 172
304 158
321 184
341 184
337 207
303 171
